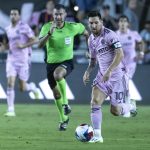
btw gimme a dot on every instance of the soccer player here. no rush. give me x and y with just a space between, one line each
20 38
130 40
59 39
105 49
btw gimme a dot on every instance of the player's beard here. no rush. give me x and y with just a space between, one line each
59 23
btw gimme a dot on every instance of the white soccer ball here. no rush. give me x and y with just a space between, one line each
84 132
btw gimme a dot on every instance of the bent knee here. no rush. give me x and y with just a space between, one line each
95 101
57 76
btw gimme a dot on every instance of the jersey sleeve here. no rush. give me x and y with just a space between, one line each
78 28
137 36
44 31
91 49
113 40
29 32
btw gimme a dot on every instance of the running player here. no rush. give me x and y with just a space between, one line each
20 37
105 49
59 39
130 40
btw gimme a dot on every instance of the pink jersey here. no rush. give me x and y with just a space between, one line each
19 34
103 49
128 41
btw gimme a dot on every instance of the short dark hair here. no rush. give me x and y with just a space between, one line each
60 6
104 7
16 9
123 17
94 14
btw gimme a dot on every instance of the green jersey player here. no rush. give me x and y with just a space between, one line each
58 36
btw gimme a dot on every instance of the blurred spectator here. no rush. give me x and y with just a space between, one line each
3 37
145 33
46 14
108 20
84 7
130 13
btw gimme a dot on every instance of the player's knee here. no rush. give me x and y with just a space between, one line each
57 76
114 110
94 101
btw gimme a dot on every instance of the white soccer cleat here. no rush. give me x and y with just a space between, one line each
96 140
133 111
10 114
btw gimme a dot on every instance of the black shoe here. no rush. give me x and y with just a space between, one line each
67 109
133 113
63 125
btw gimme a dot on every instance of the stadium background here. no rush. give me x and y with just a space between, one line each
81 93
36 125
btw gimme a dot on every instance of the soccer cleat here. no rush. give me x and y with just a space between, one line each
67 109
96 140
133 111
10 114
63 125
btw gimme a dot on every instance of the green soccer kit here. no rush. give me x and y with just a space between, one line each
60 44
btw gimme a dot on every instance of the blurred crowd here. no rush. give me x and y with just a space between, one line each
77 11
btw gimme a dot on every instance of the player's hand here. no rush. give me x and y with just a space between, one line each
106 76
21 46
139 57
52 28
86 77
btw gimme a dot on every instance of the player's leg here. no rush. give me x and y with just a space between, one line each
23 78
98 97
58 98
132 100
10 96
118 98
59 74
11 72
64 120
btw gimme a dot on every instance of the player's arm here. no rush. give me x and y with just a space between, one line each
92 64
4 46
31 41
116 61
141 49
44 39
86 34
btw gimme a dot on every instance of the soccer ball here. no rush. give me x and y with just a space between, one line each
84 132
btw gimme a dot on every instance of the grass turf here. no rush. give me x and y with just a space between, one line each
36 128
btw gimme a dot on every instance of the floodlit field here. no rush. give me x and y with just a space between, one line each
36 128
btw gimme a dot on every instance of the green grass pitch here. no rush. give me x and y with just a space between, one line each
36 128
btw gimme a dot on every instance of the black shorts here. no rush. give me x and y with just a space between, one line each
68 65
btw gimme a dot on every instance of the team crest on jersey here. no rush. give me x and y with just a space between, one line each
103 41
17 31
129 37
